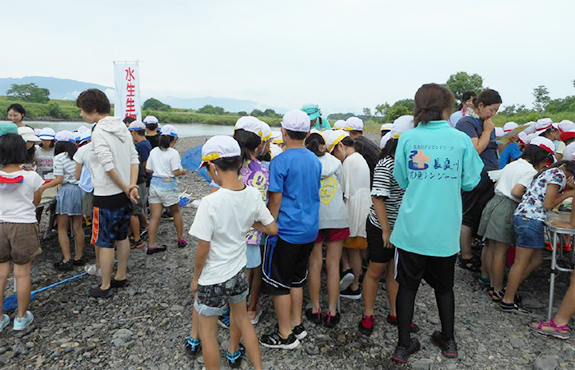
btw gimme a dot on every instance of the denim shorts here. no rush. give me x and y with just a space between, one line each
529 233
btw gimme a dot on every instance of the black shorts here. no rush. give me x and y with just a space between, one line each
439 272
376 252
474 201
285 265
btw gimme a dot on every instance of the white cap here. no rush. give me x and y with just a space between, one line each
400 125
250 124
266 131
47 133
275 150
543 143
86 135
296 120
169 130
65 135
386 126
314 131
510 126
333 138
136 125
543 125
28 134
277 137
530 137
566 125
353 124
339 124
523 137
220 147
82 129
384 140
499 132
150 119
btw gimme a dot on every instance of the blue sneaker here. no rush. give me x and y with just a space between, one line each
192 347
5 322
21 323
224 320
235 359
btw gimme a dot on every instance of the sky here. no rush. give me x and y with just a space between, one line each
341 54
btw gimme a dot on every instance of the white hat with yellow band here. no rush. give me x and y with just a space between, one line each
277 137
353 124
400 125
250 124
333 138
266 131
220 147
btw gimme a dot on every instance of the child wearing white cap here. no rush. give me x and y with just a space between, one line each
354 125
295 180
497 217
221 223
45 153
68 200
165 165
152 133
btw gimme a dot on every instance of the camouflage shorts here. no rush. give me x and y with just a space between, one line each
213 299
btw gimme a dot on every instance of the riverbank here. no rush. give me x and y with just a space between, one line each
143 325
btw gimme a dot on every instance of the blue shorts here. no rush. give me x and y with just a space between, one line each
529 233
110 225
254 256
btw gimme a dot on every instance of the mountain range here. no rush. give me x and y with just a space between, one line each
67 89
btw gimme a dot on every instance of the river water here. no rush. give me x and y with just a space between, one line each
184 129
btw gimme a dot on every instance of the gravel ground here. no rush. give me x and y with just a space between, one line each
143 326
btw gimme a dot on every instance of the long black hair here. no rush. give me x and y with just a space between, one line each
65 147
569 166
389 149
31 155
12 149
313 143
357 145
535 155
165 141
248 142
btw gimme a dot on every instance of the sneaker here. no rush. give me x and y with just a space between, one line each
350 293
79 262
155 250
299 332
64 266
274 340
513 307
5 322
182 243
235 359
402 354
393 321
448 348
93 270
314 317
224 320
192 347
254 316
118 283
330 321
21 323
144 232
366 325
346 280
96 292
167 216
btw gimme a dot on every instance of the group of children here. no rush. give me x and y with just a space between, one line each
279 200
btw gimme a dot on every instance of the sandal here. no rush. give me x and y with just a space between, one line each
559 332
470 264
495 297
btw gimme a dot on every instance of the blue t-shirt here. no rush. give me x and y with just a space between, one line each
511 152
297 175
473 127
144 148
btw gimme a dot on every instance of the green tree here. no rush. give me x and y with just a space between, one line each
155 104
242 113
542 99
270 113
29 93
257 113
54 111
381 109
508 110
210 109
462 81
367 112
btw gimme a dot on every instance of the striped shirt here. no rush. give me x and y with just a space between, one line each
385 186
64 166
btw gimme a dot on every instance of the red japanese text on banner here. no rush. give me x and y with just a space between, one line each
127 78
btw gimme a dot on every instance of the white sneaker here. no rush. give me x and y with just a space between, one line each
254 319
5 322
93 270
21 323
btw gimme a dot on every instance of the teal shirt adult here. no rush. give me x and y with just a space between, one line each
433 162
322 124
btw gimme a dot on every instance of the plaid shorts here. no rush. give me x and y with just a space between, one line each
212 299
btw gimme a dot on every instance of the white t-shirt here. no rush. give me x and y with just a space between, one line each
516 172
163 162
44 160
82 157
16 200
223 219
356 193
64 166
569 152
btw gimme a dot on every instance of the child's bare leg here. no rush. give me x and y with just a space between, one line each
314 280
195 332
255 288
23 286
370 284
240 316
63 221
392 287
333 257
210 347
4 273
355 261
178 221
79 236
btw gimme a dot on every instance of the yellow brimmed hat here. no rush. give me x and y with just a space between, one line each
400 125
333 138
266 131
220 147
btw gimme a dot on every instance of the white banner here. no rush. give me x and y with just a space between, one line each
127 78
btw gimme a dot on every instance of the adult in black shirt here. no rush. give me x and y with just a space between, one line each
152 133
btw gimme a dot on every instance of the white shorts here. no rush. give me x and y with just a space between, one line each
163 192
